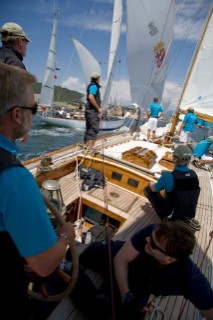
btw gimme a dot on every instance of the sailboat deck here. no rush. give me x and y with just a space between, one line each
140 214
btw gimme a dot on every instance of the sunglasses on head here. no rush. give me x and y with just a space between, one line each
33 109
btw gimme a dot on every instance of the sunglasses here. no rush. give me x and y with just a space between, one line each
155 246
24 39
33 109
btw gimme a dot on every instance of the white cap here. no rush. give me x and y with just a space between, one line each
95 75
13 29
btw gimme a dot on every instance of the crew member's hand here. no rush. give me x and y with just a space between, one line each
100 110
132 309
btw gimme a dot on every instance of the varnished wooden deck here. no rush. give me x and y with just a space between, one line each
140 214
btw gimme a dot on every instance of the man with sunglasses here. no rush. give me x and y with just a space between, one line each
26 233
14 44
156 260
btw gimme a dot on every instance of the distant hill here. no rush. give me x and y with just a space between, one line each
62 94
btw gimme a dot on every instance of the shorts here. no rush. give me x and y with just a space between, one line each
185 136
152 124
205 157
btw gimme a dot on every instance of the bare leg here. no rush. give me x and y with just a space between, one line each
148 134
153 135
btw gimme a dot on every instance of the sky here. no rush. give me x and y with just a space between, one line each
89 21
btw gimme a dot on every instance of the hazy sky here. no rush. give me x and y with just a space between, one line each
90 22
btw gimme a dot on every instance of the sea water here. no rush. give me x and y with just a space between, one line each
44 138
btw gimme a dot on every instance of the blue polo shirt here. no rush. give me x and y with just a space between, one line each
202 147
190 120
22 210
155 108
166 181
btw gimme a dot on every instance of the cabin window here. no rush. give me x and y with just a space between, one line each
116 176
132 183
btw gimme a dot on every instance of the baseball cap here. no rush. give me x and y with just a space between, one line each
13 29
95 75
182 152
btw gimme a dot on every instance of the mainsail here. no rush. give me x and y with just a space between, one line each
115 36
47 91
150 29
88 62
198 88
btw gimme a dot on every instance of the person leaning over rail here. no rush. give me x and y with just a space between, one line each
181 188
155 260
26 233
187 126
201 152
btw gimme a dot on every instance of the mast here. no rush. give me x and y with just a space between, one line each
47 90
203 116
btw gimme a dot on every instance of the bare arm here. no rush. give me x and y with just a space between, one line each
121 261
208 314
152 186
94 103
181 126
47 261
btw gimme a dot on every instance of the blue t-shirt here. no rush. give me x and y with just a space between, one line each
190 120
22 210
181 277
166 181
155 108
202 147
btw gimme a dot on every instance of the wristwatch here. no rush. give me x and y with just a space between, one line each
65 236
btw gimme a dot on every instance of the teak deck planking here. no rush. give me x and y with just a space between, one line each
141 214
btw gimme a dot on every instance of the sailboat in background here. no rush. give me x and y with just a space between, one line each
149 40
48 84
114 42
89 64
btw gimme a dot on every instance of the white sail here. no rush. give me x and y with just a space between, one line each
47 90
88 62
115 36
150 29
198 88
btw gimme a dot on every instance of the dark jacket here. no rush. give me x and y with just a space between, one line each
10 56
